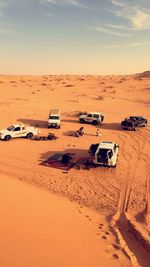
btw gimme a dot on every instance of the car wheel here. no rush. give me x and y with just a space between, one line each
29 135
82 121
7 137
114 166
94 122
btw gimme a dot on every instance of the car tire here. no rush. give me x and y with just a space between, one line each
29 135
82 121
94 122
114 166
7 137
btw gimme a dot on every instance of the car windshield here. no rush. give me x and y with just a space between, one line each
128 123
10 128
54 117
105 153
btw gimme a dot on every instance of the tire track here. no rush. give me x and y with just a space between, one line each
122 225
146 159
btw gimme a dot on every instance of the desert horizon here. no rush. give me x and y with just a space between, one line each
77 216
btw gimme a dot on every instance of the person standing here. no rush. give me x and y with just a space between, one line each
98 133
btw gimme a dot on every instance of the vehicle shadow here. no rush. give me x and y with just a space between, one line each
110 126
70 133
36 123
75 153
140 217
70 120
80 158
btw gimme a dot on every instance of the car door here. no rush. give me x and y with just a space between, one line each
17 132
96 117
114 154
141 121
89 118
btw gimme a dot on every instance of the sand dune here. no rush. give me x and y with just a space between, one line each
121 196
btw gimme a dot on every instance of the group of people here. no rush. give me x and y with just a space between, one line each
81 132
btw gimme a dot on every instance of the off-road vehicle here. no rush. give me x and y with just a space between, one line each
54 118
142 122
18 130
104 153
92 117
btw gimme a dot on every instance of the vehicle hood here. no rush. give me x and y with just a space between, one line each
4 131
83 116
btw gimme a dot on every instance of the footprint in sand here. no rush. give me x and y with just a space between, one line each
115 256
88 217
107 233
100 226
104 237
115 246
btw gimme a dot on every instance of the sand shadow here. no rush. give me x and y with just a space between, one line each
80 158
70 120
70 133
73 134
90 134
111 126
76 153
140 217
36 123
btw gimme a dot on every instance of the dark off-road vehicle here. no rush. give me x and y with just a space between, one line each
129 125
133 122
142 122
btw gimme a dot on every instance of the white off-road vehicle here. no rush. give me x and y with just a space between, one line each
18 130
92 117
105 153
54 119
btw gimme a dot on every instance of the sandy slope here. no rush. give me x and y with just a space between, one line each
121 194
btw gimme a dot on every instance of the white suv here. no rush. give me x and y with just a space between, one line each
92 117
105 153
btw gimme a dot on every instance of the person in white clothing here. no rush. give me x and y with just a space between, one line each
98 133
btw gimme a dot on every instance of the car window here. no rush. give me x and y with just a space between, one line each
17 129
89 116
96 116
110 153
54 117
10 128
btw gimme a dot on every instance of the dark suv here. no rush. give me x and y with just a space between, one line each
133 122
142 122
129 125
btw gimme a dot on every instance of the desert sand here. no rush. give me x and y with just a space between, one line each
107 210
